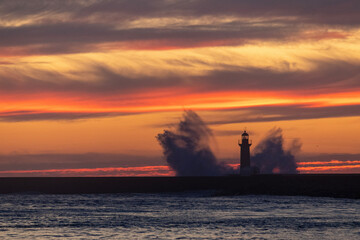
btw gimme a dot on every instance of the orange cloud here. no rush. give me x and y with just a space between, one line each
94 172
168 99
327 162
333 166
166 171
331 169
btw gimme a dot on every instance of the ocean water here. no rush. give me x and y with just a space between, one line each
177 216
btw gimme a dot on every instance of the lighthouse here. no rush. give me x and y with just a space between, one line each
244 153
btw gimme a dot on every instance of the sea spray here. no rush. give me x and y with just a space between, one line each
187 151
271 157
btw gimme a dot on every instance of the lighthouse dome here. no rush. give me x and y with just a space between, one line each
245 134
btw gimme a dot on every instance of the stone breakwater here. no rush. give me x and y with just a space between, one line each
318 185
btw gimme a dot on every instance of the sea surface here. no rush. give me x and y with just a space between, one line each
197 215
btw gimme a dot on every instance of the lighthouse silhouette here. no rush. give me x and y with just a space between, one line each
245 166
244 151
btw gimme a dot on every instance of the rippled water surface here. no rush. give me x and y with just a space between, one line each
177 216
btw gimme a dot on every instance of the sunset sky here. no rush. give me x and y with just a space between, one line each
85 86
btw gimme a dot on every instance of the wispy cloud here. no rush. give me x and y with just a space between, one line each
72 26
93 172
38 162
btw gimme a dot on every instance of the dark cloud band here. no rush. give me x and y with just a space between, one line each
74 26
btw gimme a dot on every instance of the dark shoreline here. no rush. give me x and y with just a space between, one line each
317 185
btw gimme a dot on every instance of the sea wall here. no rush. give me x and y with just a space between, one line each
321 185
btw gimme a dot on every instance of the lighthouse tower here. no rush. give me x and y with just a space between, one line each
244 152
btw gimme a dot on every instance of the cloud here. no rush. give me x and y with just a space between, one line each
232 132
20 116
336 12
344 12
70 37
346 158
117 93
24 162
240 115
325 77
6 63
106 80
284 113
72 26
92 172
